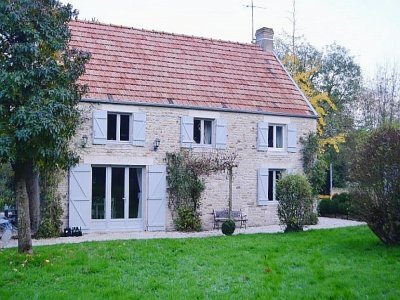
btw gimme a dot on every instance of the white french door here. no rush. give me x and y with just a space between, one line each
117 198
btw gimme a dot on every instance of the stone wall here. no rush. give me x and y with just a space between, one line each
164 123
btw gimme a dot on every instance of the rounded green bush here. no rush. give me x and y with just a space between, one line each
187 220
325 207
339 205
342 203
295 200
228 227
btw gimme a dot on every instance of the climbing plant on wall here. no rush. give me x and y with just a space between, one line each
186 171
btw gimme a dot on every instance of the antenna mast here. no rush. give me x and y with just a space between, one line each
252 6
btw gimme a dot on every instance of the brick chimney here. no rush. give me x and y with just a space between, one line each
265 39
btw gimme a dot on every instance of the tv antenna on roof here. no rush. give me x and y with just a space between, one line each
252 18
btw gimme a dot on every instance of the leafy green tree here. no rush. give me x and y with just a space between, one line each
39 94
340 77
332 82
331 76
307 57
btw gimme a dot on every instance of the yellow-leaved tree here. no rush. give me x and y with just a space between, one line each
319 100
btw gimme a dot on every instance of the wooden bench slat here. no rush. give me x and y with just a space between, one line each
221 216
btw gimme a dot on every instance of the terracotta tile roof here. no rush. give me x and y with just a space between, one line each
141 66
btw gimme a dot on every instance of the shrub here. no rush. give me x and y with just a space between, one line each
228 227
51 208
310 218
376 176
187 220
325 207
317 177
7 196
339 205
295 200
50 224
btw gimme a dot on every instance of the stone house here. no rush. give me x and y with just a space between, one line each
153 92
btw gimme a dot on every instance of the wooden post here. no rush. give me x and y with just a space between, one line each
230 174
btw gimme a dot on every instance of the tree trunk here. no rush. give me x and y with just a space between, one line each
230 175
32 187
24 229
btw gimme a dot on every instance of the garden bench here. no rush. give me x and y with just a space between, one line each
220 216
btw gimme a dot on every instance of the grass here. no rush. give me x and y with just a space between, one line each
342 263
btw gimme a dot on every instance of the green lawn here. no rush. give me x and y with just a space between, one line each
343 263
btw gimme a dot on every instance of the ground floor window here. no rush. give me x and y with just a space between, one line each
273 177
116 192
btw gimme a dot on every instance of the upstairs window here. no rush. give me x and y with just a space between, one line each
118 127
275 136
202 131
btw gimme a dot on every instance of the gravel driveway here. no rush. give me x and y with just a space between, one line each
323 223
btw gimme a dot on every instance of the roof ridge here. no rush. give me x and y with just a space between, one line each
163 32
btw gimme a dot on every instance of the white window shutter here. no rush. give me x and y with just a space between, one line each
139 129
80 187
220 134
187 131
99 127
156 201
292 138
262 136
262 187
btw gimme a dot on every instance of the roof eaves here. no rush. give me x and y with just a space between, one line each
256 112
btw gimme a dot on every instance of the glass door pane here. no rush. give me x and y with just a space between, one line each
135 188
117 193
98 192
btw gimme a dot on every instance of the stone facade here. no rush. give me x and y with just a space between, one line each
164 123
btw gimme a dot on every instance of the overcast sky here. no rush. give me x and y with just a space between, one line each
368 28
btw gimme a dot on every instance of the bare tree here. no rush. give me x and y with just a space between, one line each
379 102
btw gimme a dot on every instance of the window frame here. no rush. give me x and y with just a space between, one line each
212 127
274 182
118 127
274 140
